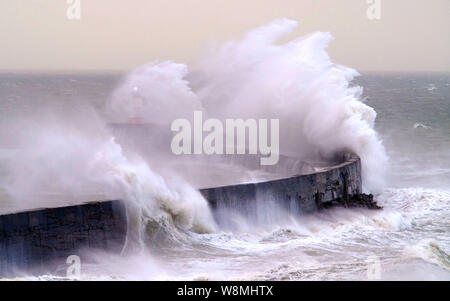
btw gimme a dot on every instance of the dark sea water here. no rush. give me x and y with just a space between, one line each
409 239
414 123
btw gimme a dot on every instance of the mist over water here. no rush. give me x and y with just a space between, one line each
59 145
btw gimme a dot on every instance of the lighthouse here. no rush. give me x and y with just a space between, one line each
137 102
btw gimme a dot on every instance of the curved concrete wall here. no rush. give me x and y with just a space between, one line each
40 241
263 201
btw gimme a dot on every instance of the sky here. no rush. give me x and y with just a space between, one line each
118 35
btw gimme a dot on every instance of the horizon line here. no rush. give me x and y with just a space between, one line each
124 71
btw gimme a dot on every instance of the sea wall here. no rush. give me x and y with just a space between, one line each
265 201
40 241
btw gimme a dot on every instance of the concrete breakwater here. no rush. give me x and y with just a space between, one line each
41 240
263 202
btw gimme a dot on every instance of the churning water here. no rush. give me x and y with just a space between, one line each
55 148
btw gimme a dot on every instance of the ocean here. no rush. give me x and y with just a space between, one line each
408 240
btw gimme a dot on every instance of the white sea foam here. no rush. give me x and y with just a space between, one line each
429 251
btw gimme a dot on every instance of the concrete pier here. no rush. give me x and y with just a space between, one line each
261 202
41 240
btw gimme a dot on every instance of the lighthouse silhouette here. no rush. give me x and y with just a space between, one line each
137 104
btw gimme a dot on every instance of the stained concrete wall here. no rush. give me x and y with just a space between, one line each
265 201
40 241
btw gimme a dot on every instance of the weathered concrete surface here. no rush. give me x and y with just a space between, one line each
339 185
40 241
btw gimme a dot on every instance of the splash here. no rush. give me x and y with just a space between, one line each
320 112
429 251
60 163
73 155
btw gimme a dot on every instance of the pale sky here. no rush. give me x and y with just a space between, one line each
411 35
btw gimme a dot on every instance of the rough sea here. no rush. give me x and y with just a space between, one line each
408 240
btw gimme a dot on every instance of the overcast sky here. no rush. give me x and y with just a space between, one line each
411 35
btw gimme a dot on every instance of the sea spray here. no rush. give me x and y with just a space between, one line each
321 113
60 163
150 201
154 93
